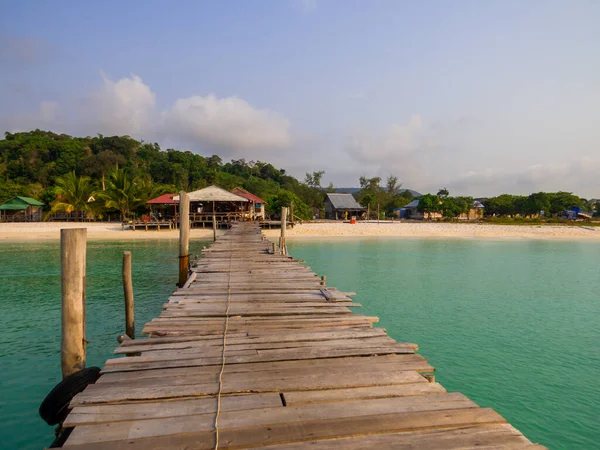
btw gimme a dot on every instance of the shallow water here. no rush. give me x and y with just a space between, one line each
511 324
514 325
30 320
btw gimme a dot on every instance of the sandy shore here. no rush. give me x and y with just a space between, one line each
111 231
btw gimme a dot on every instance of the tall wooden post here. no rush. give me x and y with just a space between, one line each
184 237
72 267
377 212
282 246
292 211
128 294
214 224
368 211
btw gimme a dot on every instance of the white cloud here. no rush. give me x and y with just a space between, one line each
578 175
402 149
128 107
228 123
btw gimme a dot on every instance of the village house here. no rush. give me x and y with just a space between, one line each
342 207
164 206
256 208
410 211
21 209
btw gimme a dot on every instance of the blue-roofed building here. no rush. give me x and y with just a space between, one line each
410 211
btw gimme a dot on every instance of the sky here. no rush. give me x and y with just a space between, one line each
480 97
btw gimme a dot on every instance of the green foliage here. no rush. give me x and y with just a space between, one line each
74 194
552 203
32 163
9 189
285 198
314 180
124 193
429 204
392 196
443 193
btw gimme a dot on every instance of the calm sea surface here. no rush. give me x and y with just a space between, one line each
515 325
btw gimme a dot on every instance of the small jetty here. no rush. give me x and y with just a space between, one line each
255 351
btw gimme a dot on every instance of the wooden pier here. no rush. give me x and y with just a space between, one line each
254 351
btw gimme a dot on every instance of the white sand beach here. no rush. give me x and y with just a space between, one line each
112 231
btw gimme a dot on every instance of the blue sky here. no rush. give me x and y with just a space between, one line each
482 97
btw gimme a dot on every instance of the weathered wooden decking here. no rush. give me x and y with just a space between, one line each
300 370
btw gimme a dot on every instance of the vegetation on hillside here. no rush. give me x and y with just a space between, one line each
372 194
547 204
120 174
97 175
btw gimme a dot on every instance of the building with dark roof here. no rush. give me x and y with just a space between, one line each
342 206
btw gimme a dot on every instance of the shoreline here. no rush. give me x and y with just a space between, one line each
98 231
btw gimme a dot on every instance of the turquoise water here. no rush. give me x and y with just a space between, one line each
30 320
512 324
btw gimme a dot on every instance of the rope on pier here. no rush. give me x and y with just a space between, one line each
223 353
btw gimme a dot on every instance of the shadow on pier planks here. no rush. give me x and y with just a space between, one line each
300 370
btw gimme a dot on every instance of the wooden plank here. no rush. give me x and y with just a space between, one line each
268 416
491 437
250 345
277 434
104 393
209 358
105 413
339 395
395 361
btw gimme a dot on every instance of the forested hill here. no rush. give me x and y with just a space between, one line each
46 165
32 162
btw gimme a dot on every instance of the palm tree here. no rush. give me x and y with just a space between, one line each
74 194
122 193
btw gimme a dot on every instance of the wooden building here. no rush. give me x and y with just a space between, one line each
410 211
214 201
256 206
476 212
342 206
21 209
164 206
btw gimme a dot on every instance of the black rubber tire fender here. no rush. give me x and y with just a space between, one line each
55 407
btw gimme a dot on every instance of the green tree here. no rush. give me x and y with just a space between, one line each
536 203
443 193
285 198
122 193
561 201
429 204
74 194
314 180
392 185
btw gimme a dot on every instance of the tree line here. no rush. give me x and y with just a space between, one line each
120 174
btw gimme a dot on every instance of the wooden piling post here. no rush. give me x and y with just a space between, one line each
72 266
323 280
292 211
429 377
128 294
282 246
214 224
368 210
184 237
378 213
